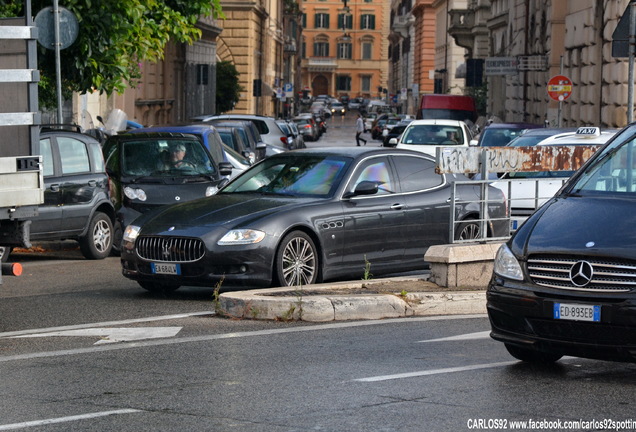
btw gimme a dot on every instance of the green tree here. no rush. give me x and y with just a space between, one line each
114 38
228 89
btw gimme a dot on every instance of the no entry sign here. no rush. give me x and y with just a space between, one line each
559 87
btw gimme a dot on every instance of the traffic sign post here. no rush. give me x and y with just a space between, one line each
559 89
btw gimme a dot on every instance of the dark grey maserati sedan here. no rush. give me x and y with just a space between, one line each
306 216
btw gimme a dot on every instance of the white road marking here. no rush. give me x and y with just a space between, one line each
435 371
462 337
65 419
206 338
105 324
113 334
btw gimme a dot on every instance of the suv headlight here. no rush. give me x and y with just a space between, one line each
506 264
135 193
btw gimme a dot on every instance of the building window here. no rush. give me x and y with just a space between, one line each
367 22
344 50
365 83
304 20
303 50
367 50
321 49
202 74
321 20
345 21
343 83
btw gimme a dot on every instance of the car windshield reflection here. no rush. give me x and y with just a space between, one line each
308 176
165 158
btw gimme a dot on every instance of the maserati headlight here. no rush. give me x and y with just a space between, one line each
130 235
135 193
506 264
241 237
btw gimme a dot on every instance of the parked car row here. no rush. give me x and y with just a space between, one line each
92 191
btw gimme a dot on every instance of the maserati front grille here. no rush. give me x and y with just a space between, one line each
170 249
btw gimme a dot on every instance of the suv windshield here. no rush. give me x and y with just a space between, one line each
165 157
614 170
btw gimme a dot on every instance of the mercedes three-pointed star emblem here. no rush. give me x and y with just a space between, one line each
581 273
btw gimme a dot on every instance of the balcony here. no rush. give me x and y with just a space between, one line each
321 64
402 23
462 26
290 47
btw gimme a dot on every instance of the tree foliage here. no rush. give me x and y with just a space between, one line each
228 89
114 38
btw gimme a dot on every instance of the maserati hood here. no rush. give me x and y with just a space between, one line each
217 210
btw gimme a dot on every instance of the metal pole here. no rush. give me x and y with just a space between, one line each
58 67
632 45
560 101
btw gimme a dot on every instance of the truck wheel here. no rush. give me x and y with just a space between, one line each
5 251
98 241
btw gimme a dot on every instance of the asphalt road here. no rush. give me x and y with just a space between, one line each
82 348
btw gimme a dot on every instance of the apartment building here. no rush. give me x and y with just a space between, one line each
344 47
540 39
423 57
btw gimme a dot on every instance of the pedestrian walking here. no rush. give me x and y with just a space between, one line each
359 130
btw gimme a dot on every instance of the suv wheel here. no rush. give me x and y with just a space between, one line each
98 241
118 234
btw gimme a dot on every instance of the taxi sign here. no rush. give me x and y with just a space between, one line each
559 87
589 132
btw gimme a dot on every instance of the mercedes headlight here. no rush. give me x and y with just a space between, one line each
241 237
506 264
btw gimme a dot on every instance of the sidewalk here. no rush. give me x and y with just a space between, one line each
372 299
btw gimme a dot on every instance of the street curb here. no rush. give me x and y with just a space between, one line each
332 302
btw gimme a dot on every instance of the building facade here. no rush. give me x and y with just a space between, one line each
547 38
344 47
171 91
424 58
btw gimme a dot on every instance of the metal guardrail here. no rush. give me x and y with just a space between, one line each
519 207
484 219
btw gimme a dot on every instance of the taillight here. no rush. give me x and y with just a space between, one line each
284 140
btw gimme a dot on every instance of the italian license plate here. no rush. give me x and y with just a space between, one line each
577 312
165 268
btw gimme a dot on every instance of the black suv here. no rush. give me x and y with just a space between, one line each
145 171
76 203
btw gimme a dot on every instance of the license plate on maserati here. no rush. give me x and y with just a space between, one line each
165 268
577 312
